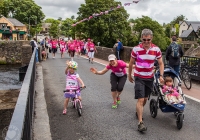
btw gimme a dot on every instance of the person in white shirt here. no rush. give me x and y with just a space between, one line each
36 46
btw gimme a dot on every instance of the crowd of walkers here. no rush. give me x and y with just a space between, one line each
72 47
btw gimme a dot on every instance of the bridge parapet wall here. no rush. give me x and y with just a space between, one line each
15 52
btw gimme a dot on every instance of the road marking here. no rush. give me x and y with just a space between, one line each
190 97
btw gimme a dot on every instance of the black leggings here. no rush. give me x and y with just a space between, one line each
117 83
72 52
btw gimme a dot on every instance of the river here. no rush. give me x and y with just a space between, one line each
9 77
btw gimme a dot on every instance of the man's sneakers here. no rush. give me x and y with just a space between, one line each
141 127
118 100
114 105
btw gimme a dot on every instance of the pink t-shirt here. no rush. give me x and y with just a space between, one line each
62 44
54 44
91 46
72 46
119 70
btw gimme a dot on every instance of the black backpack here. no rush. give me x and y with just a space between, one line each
122 48
175 50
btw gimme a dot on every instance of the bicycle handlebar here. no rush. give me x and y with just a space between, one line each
80 88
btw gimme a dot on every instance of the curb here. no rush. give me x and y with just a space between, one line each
41 126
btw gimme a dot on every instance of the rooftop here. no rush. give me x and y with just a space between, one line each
15 22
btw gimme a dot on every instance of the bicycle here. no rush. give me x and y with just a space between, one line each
76 102
185 76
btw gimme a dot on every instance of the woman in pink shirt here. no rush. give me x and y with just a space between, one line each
118 77
62 47
91 49
71 49
78 47
54 44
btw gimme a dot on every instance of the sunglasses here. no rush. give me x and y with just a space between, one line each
146 39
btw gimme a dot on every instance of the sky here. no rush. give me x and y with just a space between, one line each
163 11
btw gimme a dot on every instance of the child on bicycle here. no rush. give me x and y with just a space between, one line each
171 93
72 83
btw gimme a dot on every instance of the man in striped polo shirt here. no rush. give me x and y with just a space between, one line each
144 56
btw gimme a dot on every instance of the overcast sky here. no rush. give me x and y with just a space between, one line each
162 11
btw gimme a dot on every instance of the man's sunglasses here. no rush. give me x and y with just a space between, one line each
146 39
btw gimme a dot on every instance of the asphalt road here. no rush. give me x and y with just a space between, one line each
99 121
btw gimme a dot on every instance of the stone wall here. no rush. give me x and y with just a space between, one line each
15 52
103 53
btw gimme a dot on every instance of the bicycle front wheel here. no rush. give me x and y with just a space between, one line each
78 108
186 79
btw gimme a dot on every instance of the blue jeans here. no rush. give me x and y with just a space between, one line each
176 68
118 55
36 55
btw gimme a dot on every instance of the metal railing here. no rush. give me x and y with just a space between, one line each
21 122
192 64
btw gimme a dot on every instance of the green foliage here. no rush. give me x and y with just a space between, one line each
106 28
159 37
54 29
168 30
49 20
22 10
66 28
177 19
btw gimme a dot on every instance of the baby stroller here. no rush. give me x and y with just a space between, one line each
162 102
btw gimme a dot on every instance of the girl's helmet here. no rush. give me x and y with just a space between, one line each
73 65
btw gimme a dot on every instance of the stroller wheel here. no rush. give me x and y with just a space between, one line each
179 121
153 108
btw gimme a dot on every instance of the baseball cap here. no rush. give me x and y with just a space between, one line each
111 57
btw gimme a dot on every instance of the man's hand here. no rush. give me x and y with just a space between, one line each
161 80
130 78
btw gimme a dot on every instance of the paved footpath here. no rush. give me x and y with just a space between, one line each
99 121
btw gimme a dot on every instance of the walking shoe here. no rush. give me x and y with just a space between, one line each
141 127
114 105
89 60
118 100
64 111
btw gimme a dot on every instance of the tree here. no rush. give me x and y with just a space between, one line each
159 37
72 17
66 28
23 10
49 20
177 19
60 19
106 28
54 29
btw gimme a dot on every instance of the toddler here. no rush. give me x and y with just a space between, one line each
72 83
171 92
